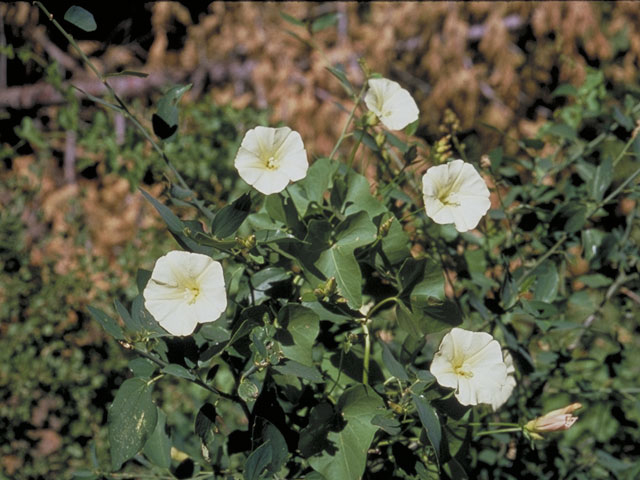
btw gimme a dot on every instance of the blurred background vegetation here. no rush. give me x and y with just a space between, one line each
74 230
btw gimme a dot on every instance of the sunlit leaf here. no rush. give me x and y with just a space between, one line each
132 419
81 18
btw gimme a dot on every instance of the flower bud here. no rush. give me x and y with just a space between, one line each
383 230
370 119
555 420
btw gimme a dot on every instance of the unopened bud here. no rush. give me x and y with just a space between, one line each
248 242
384 227
371 119
555 420
363 65
485 161
380 139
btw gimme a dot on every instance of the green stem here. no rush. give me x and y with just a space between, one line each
367 336
70 40
564 236
615 193
352 155
348 122
496 424
499 430
378 305
547 254
161 363
335 383
367 353
624 150
127 112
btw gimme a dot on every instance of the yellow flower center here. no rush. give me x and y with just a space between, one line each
272 163
191 293
462 372
444 194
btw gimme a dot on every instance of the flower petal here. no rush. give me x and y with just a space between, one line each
185 289
472 363
455 193
271 181
392 104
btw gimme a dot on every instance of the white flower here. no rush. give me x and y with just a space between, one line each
455 193
270 157
185 289
470 362
504 393
392 104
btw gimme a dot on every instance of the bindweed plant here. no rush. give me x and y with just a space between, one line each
347 327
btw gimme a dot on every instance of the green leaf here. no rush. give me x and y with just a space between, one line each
339 73
547 282
158 447
299 327
407 322
248 391
324 21
178 371
395 244
591 241
205 425
230 218
126 73
340 263
124 314
410 129
366 139
570 217
595 280
622 119
318 179
357 406
258 461
176 226
359 197
438 315
313 437
109 324
81 18
431 285
85 475
356 231
174 223
165 120
562 130
389 425
132 419
430 311
455 470
396 142
430 422
601 179
279 448
141 367
291 20
533 143
565 90
142 278
395 367
291 367
142 321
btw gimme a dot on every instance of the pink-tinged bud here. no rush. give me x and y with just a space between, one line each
561 419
